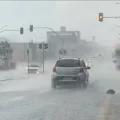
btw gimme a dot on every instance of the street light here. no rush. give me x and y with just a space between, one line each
7 30
3 27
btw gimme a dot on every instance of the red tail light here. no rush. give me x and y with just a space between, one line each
54 69
81 69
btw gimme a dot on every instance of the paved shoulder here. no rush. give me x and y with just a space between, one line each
114 109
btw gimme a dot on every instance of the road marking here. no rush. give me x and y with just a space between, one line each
17 98
104 109
5 102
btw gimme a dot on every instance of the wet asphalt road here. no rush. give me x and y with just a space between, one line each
40 102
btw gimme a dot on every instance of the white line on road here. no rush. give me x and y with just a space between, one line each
17 98
4 102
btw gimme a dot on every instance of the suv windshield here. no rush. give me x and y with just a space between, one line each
68 63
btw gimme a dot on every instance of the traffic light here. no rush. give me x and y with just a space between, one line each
40 46
21 30
46 46
31 28
100 17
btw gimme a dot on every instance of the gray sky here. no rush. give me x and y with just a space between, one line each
75 15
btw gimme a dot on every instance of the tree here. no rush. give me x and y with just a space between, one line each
5 49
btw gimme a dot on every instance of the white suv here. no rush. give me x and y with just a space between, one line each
70 70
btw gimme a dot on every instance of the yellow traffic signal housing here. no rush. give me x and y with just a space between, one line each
100 17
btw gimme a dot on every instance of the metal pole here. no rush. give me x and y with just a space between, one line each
3 27
28 61
32 49
40 57
24 52
43 54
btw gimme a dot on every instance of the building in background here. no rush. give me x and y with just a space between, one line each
20 51
63 39
57 40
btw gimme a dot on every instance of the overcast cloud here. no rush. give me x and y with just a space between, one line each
75 15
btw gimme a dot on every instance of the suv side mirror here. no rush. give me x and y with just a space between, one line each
87 67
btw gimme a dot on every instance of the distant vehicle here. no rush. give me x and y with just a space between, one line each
88 63
116 56
117 62
70 70
33 69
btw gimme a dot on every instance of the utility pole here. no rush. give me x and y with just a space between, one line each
24 52
43 48
40 48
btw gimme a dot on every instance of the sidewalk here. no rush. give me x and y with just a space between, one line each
114 108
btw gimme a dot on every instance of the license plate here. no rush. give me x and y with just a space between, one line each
67 78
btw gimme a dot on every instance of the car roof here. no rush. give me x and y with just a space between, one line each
69 58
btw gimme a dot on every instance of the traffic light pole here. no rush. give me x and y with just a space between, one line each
28 64
9 30
101 17
28 61
43 48
40 57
